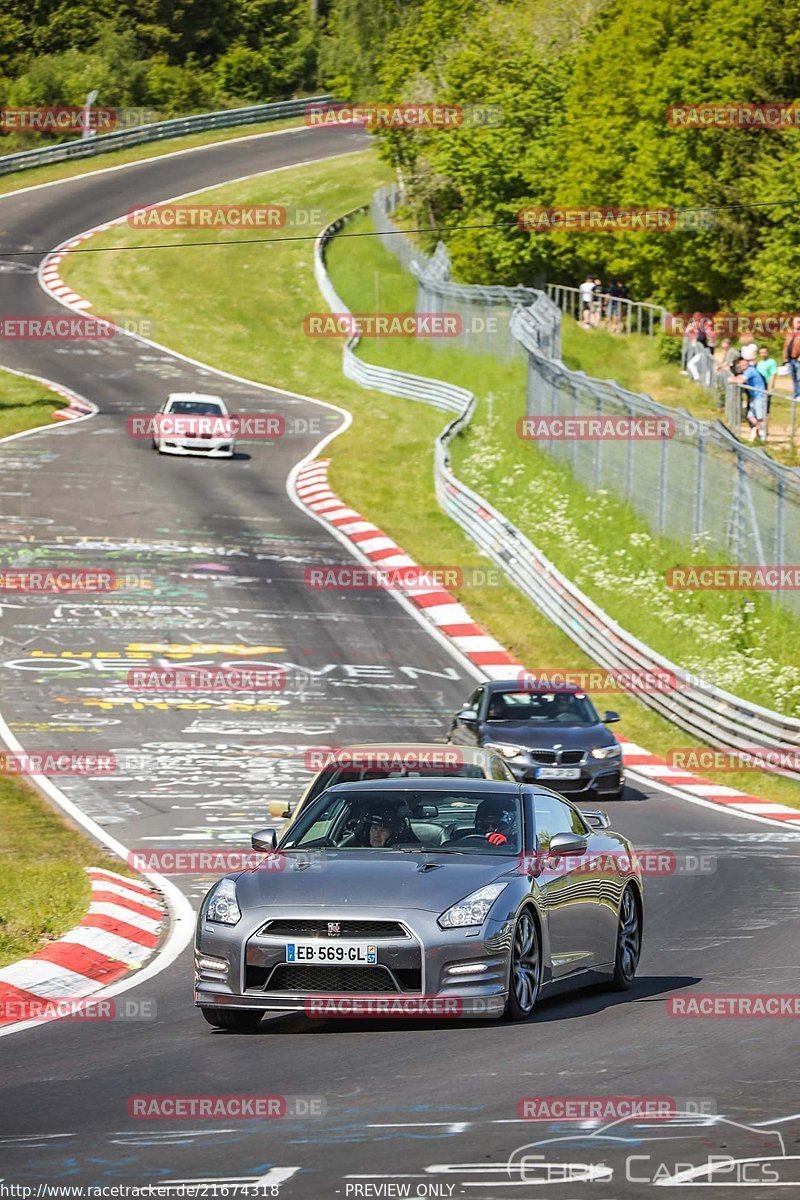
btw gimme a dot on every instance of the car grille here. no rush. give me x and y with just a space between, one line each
291 978
553 758
319 928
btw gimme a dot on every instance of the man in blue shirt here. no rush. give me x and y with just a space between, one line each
753 382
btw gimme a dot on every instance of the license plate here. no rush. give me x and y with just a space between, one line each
358 953
558 772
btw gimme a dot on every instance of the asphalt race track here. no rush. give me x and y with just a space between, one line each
215 552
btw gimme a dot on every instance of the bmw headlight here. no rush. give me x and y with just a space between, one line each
607 752
504 748
472 910
222 905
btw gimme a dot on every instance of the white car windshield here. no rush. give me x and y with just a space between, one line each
198 408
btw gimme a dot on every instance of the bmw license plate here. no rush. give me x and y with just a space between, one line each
359 953
558 772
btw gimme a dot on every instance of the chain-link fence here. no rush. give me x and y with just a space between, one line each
484 313
699 485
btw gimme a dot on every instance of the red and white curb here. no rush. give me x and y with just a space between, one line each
77 406
50 270
452 620
119 933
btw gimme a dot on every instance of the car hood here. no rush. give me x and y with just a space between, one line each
546 737
379 879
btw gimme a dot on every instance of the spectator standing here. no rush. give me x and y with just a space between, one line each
700 347
768 368
791 355
597 303
587 298
615 294
752 381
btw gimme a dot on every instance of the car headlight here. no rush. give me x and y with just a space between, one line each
472 910
504 748
607 752
222 904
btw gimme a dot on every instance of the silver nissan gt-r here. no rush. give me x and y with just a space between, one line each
385 897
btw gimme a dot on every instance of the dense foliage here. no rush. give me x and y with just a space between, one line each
171 56
583 86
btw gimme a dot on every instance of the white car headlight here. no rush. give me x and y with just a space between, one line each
607 752
506 749
472 910
222 904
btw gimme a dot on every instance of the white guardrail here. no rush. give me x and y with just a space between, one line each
156 131
707 712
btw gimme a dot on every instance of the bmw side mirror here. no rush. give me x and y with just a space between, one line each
265 840
611 717
468 716
564 844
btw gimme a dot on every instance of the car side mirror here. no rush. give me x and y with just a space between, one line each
265 840
279 808
611 717
596 818
468 716
564 844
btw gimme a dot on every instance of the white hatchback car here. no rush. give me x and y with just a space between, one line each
193 423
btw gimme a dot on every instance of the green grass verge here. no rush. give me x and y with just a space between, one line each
114 158
382 466
24 403
42 864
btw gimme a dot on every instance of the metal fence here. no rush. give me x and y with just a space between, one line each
700 485
635 316
705 711
158 130
484 313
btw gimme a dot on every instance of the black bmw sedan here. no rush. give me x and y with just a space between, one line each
553 736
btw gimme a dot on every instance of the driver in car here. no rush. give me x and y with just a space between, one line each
563 705
387 827
496 820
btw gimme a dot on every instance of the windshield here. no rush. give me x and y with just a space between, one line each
199 408
474 822
543 708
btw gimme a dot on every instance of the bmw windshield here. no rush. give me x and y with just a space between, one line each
543 708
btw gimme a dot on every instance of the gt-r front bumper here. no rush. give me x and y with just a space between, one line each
421 969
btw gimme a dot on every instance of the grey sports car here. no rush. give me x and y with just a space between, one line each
432 896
